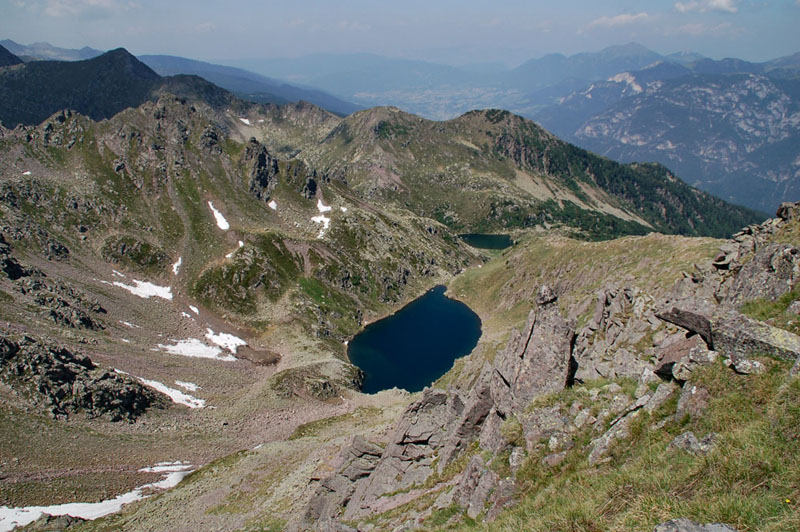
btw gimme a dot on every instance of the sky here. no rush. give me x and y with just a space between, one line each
448 31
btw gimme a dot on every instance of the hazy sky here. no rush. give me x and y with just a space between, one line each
455 31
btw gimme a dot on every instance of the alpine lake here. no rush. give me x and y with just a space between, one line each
415 346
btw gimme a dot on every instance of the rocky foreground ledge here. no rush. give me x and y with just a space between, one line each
442 444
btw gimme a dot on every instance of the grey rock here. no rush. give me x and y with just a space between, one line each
66 383
739 336
660 396
54 523
554 459
693 401
689 443
262 170
697 357
693 320
685 525
358 460
541 424
746 366
537 360
673 349
516 459
475 485
770 273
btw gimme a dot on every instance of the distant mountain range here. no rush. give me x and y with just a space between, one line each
729 127
247 85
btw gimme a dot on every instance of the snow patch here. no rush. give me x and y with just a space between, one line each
222 223
187 315
11 518
125 340
26 173
245 121
192 387
322 207
192 347
273 205
176 396
225 340
177 266
344 209
325 221
230 255
194 309
118 274
144 289
129 324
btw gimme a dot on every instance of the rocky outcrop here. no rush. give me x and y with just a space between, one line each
606 346
262 170
64 383
536 360
735 335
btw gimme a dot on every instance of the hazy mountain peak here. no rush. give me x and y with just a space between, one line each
7 58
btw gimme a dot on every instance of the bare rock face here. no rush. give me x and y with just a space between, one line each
262 169
772 272
335 491
537 360
622 316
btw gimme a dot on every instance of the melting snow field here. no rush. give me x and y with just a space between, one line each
11 518
222 223
144 289
325 221
177 266
273 205
192 347
190 386
322 207
225 340
177 396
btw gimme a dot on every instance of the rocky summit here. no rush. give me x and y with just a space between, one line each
181 273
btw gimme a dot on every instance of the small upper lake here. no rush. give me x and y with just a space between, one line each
415 346
487 241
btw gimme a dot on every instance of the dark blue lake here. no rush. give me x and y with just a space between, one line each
415 346
487 241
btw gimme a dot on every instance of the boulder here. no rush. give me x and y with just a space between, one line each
692 402
770 273
689 443
738 336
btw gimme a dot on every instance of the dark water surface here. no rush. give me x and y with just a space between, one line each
487 241
417 345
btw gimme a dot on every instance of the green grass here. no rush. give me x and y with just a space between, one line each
775 312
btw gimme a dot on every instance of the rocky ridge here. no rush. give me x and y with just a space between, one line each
500 416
